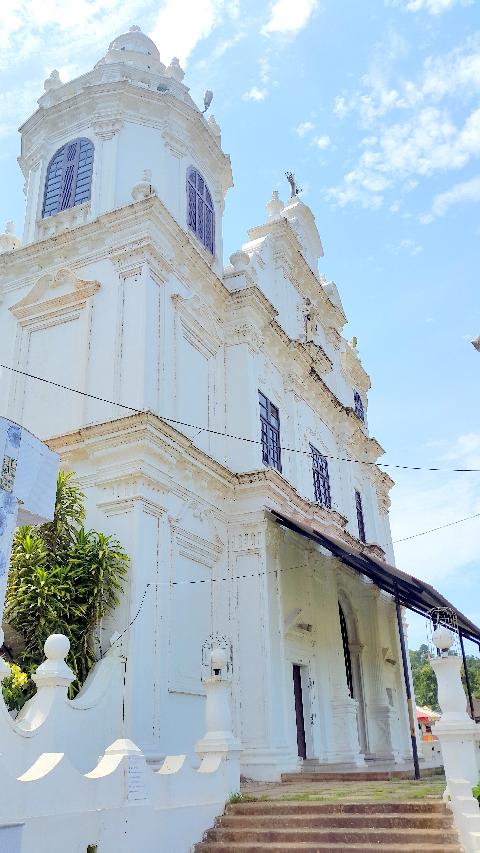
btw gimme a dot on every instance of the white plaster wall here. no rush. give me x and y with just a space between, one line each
133 311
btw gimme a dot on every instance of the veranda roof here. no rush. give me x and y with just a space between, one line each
413 593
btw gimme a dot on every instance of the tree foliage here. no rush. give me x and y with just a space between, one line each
425 683
63 579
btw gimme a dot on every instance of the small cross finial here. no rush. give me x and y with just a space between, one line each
295 189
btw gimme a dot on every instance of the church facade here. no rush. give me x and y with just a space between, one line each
204 408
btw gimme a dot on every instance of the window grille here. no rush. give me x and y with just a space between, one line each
69 177
321 479
270 430
358 406
200 213
360 521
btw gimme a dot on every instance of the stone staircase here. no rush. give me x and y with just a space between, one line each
315 827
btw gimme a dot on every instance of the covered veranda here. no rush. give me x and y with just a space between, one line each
407 591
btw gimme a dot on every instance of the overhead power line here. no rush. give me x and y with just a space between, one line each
223 434
434 529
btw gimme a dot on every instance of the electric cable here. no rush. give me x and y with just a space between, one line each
434 529
223 434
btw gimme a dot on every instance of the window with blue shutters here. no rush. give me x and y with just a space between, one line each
360 520
358 406
69 177
200 213
321 479
270 432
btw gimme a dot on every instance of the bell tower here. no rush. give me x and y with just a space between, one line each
123 130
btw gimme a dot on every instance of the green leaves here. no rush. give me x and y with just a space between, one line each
63 579
425 683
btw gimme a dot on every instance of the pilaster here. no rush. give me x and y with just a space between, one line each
106 128
380 739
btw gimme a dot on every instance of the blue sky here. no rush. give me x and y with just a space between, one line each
375 106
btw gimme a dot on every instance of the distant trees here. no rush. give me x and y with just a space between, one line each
425 683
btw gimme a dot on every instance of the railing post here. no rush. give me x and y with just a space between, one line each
411 716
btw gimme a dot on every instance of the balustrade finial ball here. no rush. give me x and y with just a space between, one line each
443 638
56 647
218 658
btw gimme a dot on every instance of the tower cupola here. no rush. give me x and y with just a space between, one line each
87 146
135 48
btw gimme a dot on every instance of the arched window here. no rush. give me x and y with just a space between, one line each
346 649
200 215
69 177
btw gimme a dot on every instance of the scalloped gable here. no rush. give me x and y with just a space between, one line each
302 221
63 288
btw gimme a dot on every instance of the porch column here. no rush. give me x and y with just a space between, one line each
258 648
345 746
378 717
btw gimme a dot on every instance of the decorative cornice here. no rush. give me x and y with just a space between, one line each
107 125
138 104
320 360
130 258
109 235
353 369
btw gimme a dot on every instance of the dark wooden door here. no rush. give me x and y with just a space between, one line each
297 688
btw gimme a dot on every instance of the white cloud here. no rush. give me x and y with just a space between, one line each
456 73
340 106
466 191
411 246
408 245
434 7
16 104
304 127
465 451
289 16
181 24
54 30
254 94
426 143
323 142
38 28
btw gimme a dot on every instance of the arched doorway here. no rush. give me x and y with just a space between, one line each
353 669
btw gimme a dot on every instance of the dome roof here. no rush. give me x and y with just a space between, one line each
135 43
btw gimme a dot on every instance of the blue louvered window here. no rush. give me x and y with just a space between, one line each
270 433
321 479
358 406
69 177
200 213
360 519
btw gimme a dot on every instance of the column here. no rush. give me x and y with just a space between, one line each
345 746
378 720
258 651
105 163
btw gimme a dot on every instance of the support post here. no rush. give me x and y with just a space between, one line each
467 679
411 715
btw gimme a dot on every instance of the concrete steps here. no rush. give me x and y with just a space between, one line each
310 827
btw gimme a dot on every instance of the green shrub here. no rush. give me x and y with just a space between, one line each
15 687
62 580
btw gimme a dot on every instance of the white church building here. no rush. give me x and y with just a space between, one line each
216 418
